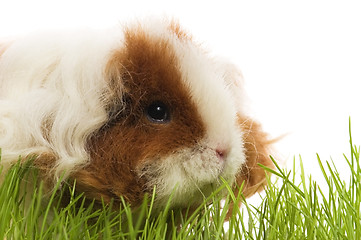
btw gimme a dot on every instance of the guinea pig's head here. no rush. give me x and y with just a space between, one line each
174 122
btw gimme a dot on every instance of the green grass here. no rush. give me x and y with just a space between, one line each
293 207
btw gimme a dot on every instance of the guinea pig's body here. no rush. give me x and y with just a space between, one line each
124 110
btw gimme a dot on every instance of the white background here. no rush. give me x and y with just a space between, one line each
301 59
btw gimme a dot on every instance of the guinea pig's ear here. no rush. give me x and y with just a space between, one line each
257 151
234 81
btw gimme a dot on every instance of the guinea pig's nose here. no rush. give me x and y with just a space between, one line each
221 153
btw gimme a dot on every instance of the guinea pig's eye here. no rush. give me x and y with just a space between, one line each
157 112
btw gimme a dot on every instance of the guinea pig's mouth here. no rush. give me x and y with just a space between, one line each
205 165
189 176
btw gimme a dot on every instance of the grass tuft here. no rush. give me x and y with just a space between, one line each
294 206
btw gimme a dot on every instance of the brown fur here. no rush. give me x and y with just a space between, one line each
257 149
180 33
148 69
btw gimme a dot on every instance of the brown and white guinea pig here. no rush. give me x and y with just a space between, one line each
126 109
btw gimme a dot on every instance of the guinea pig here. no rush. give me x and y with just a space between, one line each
127 110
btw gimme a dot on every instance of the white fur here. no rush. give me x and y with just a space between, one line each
59 80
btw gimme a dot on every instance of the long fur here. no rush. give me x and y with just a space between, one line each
48 85
74 101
